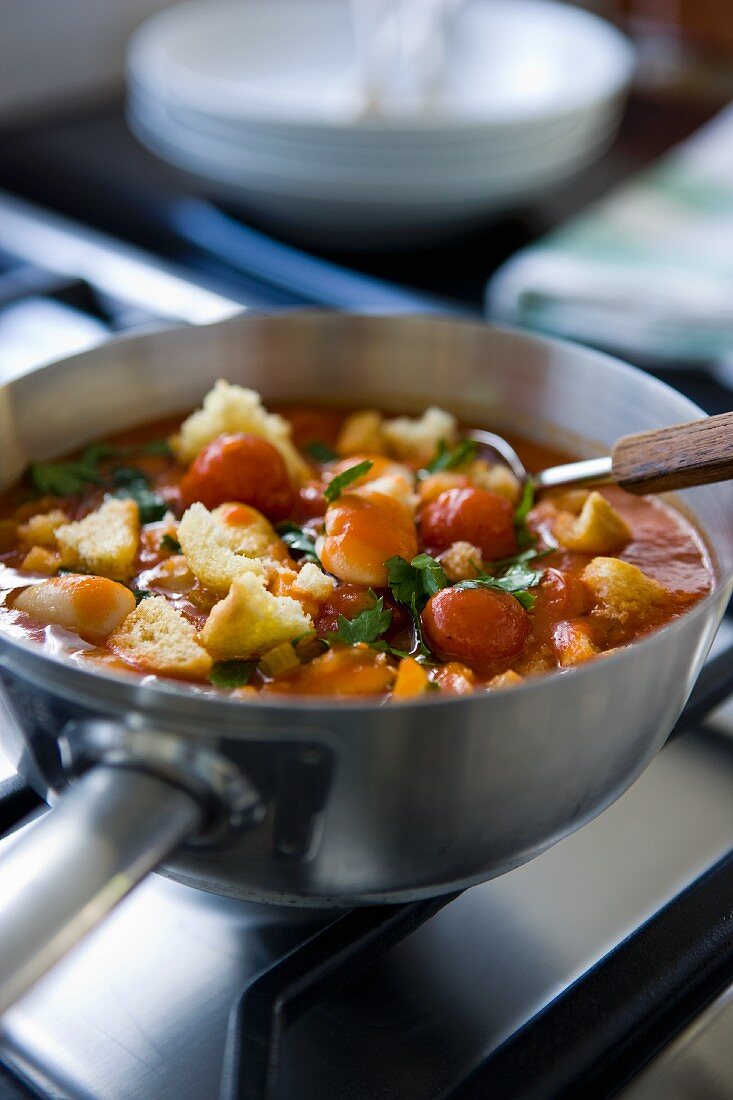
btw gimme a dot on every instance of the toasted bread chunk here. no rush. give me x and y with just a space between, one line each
208 547
40 530
430 487
313 583
507 679
621 588
104 542
157 638
573 643
40 559
227 409
250 620
92 606
416 439
246 531
599 529
496 477
395 485
461 561
362 431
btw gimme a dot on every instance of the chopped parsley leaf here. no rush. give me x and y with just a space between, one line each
526 503
299 539
416 580
231 674
151 506
447 459
170 543
517 581
321 452
140 594
336 486
366 627
63 479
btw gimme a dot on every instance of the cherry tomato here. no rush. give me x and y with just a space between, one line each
477 626
560 595
478 516
348 600
240 468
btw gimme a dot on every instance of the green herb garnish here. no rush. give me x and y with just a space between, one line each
232 674
526 503
140 594
321 452
447 459
416 580
517 581
336 486
299 539
63 479
531 554
365 627
413 583
151 506
169 543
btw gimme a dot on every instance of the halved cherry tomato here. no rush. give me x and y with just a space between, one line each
478 516
561 595
242 468
348 600
478 626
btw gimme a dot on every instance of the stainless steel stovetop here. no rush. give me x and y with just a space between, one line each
141 1009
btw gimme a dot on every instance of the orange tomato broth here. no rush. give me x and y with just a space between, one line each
664 544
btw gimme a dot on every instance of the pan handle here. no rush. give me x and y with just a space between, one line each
68 869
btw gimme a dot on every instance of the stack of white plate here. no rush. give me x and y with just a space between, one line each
262 100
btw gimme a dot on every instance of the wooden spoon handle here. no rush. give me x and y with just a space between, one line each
677 457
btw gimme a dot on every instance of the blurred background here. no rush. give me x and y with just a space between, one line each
561 166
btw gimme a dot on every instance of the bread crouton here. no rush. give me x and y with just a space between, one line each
227 409
416 439
393 485
496 477
157 638
313 583
430 487
573 644
40 559
362 431
104 542
599 529
246 531
207 546
622 589
250 620
461 561
40 530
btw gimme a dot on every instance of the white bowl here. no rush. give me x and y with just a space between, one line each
259 101
292 63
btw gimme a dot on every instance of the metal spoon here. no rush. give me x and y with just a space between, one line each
698 453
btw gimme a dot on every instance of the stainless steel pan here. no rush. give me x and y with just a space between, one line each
323 803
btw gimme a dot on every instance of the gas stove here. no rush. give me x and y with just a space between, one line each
603 967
